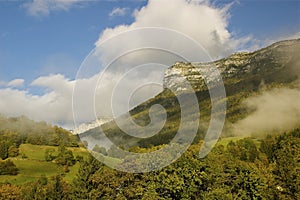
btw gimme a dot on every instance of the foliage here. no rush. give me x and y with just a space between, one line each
9 191
4 146
82 185
286 158
53 188
8 168
13 151
238 170
33 165
245 149
49 155
19 130
65 157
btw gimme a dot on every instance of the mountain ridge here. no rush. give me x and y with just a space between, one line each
243 75
237 64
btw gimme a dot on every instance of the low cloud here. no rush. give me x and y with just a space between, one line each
16 83
54 106
201 21
275 110
118 12
51 107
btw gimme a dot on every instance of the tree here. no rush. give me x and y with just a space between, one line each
4 146
8 168
65 157
81 184
43 188
49 155
13 151
287 166
244 149
267 146
9 191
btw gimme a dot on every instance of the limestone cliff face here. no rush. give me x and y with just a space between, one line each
262 63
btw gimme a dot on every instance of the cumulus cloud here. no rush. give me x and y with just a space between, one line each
118 12
44 7
199 21
275 110
53 106
16 83
173 34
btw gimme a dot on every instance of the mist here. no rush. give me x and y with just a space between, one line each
276 110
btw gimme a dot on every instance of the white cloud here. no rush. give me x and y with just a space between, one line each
118 12
275 110
44 7
174 22
16 83
53 106
199 20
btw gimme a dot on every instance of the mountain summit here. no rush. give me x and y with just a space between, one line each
279 57
244 74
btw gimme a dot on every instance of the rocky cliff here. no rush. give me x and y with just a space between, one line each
236 67
242 74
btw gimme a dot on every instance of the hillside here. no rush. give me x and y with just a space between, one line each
41 161
244 75
26 130
235 169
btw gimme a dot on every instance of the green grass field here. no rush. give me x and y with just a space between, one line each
30 170
37 152
225 141
35 166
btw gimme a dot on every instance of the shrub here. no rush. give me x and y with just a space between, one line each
8 168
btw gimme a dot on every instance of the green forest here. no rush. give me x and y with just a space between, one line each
257 156
237 168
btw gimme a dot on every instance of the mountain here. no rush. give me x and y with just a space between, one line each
236 168
244 75
88 126
276 63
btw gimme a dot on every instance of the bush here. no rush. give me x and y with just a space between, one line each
49 155
8 168
13 151
65 157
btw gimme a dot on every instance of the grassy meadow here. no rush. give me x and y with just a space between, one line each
32 164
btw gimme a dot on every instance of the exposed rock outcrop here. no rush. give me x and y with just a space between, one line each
234 68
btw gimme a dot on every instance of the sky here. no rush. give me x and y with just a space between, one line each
43 43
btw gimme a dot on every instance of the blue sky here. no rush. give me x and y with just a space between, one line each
31 46
53 37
